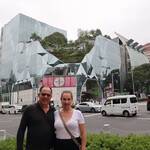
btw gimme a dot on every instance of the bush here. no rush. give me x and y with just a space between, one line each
101 141
8 144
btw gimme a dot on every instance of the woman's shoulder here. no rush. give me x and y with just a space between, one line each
77 111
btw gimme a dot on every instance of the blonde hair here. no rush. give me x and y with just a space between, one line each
66 92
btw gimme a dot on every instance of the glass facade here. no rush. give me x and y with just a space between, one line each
23 60
21 56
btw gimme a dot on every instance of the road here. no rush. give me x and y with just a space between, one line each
95 123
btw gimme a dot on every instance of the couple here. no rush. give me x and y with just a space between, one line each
45 126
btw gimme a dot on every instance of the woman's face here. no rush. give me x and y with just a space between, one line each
66 100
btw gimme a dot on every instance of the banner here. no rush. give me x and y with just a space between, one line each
59 81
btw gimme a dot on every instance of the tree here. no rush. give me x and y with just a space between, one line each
114 78
55 40
141 79
107 36
89 35
35 37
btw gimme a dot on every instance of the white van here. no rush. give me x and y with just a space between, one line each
125 105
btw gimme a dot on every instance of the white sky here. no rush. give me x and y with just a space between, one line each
130 18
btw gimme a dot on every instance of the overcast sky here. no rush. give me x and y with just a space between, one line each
130 18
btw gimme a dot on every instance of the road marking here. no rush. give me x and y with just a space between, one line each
4 121
144 118
91 115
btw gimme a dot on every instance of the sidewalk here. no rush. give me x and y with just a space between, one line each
142 103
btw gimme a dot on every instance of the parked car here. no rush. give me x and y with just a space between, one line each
14 109
88 107
125 105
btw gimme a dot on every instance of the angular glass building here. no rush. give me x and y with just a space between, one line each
18 51
24 63
113 57
21 59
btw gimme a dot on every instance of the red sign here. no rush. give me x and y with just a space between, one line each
59 81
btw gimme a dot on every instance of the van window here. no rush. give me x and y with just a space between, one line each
5 106
108 102
116 101
123 100
133 100
84 104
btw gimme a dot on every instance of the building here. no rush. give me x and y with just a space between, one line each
146 50
15 39
111 57
22 61
25 64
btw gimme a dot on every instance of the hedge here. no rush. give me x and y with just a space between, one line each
101 141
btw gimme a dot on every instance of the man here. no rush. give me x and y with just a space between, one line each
39 121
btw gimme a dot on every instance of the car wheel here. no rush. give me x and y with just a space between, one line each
92 110
104 113
134 114
126 114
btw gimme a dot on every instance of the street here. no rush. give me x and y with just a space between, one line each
95 123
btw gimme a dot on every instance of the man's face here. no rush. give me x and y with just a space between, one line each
45 96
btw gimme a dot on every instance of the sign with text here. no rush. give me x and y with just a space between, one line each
59 81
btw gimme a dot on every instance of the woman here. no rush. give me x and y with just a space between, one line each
74 121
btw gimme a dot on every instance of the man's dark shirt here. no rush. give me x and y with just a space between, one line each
40 129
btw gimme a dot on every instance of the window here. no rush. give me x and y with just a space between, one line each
116 101
133 100
83 104
108 102
123 100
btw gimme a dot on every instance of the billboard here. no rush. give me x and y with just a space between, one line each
59 81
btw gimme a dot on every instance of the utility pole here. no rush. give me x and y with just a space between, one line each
112 82
132 76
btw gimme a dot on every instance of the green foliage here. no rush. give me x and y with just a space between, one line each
73 51
104 141
35 37
89 35
93 88
8 144
68 56
107 36
55 40
141 77
101 141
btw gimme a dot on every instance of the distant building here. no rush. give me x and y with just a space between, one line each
147 50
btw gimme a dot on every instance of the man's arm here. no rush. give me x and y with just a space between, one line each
21 131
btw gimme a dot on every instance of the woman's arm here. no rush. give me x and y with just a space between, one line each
83 136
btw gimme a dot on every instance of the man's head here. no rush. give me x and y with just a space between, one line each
45 94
